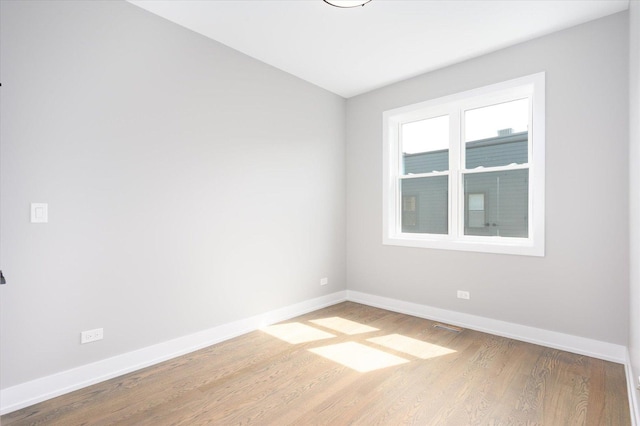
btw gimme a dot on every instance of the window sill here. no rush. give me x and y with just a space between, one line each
512 246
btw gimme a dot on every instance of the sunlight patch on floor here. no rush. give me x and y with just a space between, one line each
294 333
344 325
408 345
358 357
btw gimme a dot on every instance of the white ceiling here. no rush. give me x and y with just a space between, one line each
352 51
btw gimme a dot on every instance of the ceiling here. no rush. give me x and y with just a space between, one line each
352 51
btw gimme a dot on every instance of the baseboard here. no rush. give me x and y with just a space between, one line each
29 393
552 339
634 404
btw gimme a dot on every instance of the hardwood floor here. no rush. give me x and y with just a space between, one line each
404 371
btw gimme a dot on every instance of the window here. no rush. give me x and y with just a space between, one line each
466 172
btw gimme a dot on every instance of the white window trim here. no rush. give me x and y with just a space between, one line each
532 86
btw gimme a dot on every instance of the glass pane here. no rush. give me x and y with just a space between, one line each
425 205
425 146
497 204
497 135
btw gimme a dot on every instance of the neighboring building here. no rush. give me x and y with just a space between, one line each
496 203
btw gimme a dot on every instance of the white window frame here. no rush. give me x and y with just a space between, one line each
531 87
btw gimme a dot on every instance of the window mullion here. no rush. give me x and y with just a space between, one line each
454 175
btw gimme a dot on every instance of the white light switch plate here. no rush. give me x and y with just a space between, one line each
39 213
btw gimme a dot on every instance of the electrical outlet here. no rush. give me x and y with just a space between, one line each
324 281
91 335
463 295
39 213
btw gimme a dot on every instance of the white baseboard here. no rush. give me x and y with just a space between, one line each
552 339
634 404
29 393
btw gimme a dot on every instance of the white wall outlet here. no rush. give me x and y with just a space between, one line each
39 213
463 295
324 281
91 335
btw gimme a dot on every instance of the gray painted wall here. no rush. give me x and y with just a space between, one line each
188 185
581 286
634 189
167 162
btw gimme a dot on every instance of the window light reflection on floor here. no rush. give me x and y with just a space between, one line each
408 345
344 325
358 357
294 333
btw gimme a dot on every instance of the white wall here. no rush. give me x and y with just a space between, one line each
634 190
581 286
188 185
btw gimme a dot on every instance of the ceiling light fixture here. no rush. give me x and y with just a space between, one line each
345 4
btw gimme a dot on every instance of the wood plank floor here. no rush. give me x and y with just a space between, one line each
353 364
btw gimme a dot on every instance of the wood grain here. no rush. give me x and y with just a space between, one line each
262 380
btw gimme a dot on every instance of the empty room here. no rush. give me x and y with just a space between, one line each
320 212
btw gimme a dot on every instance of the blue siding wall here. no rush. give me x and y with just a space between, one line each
425 199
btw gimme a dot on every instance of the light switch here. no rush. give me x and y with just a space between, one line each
39 213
